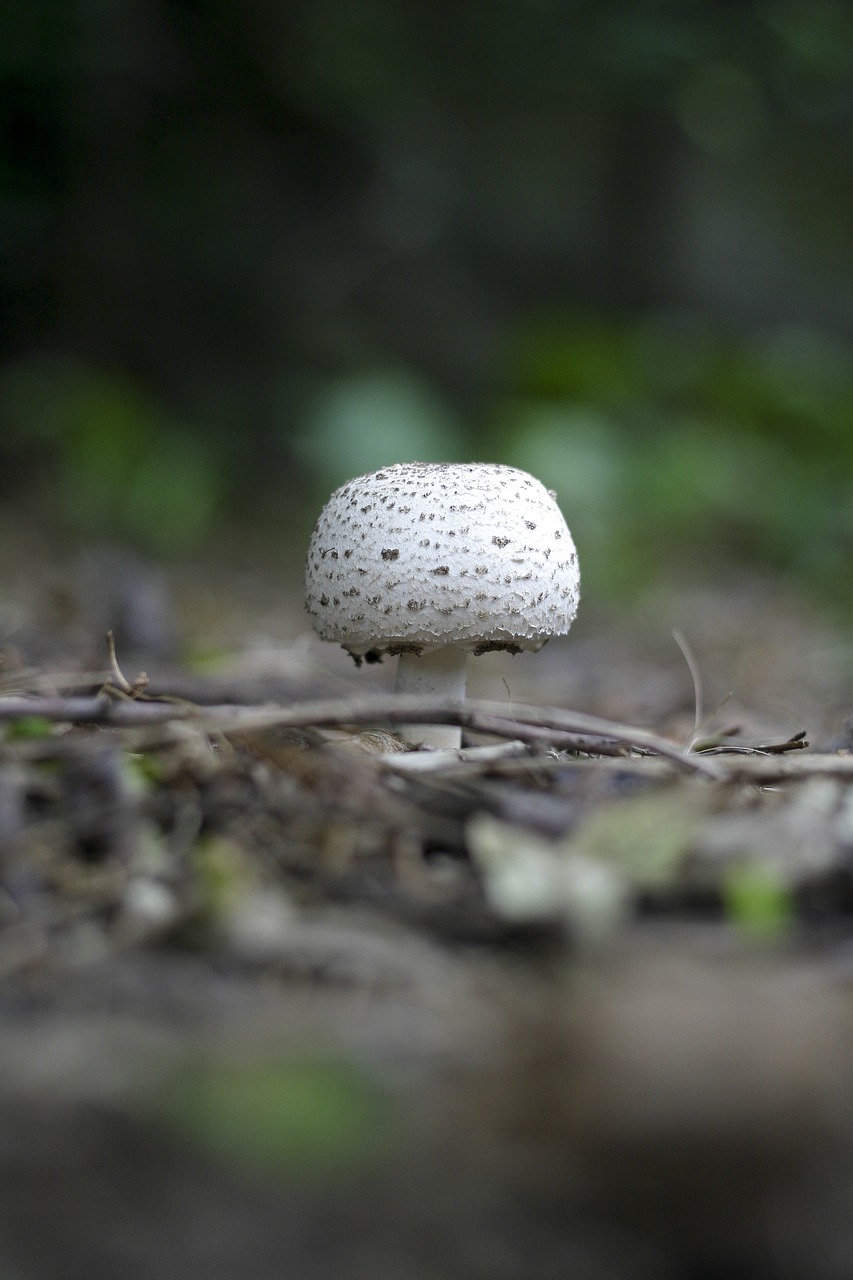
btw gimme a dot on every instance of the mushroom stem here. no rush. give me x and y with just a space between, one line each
442 673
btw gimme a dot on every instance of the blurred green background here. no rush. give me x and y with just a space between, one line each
249 250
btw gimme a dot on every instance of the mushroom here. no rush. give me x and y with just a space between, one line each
435 561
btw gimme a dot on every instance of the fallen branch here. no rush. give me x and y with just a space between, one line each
542 726
776 768
762 770
98 709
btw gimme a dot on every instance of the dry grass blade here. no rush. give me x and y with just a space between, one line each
696 676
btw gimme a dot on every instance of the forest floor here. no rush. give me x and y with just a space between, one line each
280 997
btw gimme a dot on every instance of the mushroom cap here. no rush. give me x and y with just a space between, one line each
418 556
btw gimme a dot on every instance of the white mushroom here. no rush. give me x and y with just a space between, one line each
433 562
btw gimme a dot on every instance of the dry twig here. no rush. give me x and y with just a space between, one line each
541 726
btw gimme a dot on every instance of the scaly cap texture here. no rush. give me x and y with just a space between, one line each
421 555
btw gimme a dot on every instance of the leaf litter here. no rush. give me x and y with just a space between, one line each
612 962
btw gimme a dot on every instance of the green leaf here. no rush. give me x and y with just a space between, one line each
224 873
289 1118
757 900
371 421
173 494
29 727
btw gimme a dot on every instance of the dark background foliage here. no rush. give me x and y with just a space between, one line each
248 250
